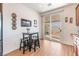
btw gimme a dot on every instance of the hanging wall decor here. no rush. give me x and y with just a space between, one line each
25 23
66 19
71 19
35 23
14 21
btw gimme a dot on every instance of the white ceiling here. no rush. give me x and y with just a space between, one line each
43 7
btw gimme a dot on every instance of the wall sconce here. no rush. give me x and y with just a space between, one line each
14 21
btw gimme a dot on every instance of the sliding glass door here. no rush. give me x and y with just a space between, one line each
55 26
52 27
47 25
55 29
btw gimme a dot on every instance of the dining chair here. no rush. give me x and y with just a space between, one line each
35 41
24 42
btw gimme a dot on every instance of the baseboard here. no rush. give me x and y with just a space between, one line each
9 52
60 42
67 43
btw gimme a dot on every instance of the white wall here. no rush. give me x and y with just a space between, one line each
67 28
11 38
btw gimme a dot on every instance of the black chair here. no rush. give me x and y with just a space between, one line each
24 42
35 40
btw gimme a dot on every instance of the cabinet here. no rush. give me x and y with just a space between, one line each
77 15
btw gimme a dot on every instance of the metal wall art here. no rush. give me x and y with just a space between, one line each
14 21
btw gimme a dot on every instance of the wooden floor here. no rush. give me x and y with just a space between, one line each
48 48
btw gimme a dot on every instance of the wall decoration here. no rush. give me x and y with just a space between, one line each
35 23
14 21
71 19
25 23
66 19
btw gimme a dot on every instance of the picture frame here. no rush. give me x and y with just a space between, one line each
71 19
35 23
25 23
66 19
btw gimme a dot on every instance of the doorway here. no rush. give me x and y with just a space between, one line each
52 27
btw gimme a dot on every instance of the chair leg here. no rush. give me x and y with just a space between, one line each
29 45
38 43
29 48
34 45
23 47
24 50
20 45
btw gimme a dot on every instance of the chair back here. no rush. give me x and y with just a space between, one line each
35 36
25 36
